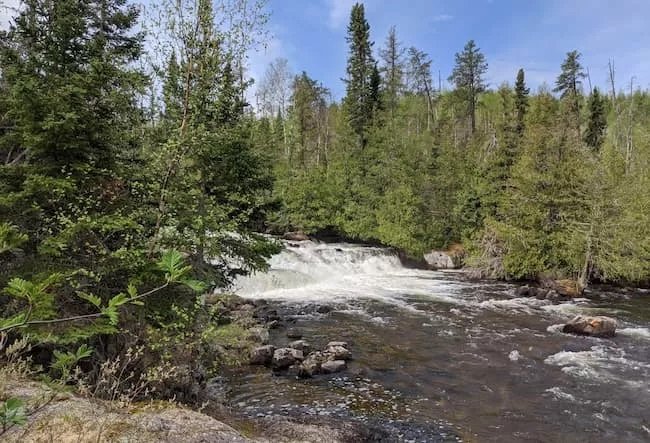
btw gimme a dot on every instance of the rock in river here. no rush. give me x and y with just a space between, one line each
295 236
439 260
595 326
294 333
301 345
285 357
338 353
330 367
262 355
312 364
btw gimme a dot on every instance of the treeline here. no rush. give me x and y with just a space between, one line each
551 183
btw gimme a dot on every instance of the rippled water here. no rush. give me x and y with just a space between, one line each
438 358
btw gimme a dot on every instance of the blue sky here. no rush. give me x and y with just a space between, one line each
533 34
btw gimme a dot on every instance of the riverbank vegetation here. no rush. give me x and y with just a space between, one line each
545 183
135 177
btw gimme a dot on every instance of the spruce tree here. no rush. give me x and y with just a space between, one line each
360 68
521 101
597 121
68 68
467 76
392 68
569 84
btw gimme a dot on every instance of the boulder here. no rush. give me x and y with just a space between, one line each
599 326
338 343
332 366
285 357
338 353
439 260
259 334
301 345
295 236
312 364
567 288
262 355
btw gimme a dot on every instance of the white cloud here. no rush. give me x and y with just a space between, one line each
339 12
442 18
7 11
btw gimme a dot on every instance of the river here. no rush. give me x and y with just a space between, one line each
438 357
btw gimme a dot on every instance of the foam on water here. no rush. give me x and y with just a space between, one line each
342 272
638 333
599 364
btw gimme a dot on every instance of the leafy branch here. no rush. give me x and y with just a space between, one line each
40 302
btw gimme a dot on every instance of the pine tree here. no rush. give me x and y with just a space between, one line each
375 89
360 68
569 84
521 101
467 76
67 64
392 69
597 121
569 81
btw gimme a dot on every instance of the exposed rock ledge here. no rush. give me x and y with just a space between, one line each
68 418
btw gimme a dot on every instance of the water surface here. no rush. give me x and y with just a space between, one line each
440 358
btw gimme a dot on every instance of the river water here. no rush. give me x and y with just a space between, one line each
440 358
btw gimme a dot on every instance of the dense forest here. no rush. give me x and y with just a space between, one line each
135 176
533 183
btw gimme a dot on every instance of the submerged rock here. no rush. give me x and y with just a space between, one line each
294 333
324 309
296 236
599 326
332 366
285 357
539 293
262 355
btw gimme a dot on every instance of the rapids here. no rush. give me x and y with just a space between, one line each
441 358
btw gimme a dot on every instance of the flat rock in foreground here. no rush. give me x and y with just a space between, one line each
68 418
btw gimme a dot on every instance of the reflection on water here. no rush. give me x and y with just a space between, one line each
436 353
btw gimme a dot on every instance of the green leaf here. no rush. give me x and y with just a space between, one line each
132 290
93 299
12 322
195 285
12 412
173 265
18 288
118 300
84 351
111 313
